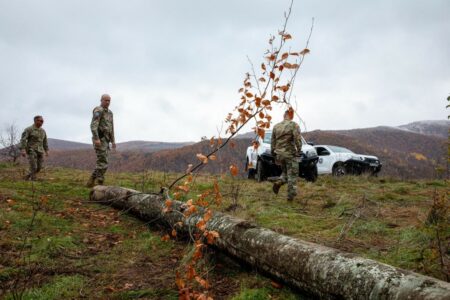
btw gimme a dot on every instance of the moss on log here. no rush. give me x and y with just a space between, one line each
315 269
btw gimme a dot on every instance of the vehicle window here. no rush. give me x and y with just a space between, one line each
321 150
340 149
267 137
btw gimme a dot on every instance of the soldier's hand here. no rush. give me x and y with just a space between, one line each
24 153
97 143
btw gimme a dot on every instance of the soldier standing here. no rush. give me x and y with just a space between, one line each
286 146
34 143
102 127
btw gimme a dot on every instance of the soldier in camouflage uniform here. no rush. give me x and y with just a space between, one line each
102 127
34 144
286 146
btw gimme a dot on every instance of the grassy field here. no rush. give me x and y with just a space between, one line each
56 245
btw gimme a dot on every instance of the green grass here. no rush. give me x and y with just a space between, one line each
61 287
100 252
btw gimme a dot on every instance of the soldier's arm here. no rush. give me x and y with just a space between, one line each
45 142
24 140
113 139
94 124
297 139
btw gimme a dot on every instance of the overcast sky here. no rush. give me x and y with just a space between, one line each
173 68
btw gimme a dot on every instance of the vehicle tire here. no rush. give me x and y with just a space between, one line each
250 172
312 175
260 176
339 169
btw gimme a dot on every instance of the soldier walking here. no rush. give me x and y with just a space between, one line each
286 147
102 127
34 144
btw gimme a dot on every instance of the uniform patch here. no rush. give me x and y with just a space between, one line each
97 114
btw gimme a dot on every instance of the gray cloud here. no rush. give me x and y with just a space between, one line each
173 67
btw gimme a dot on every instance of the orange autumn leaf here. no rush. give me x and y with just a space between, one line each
183 188
262 79
201 225
202 158
168 203
249 95
305 51
202 282
212 157
165 238
174 233
240 90
272 75
266 102
179 281
263 66
258 101
261 114
276 285
234 170
287 36
211 236
271 57
261 131
285 55
275 98
190 272
207 215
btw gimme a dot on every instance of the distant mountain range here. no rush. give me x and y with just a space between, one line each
143 146
414 150
431 127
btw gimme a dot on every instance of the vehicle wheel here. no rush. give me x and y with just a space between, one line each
339 170
312 175
259 171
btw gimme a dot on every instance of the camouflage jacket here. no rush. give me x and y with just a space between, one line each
286 141
34 138
102 125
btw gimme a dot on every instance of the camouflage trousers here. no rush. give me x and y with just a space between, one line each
289 175
102 160
35 160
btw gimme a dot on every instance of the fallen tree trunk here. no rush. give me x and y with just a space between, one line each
318 270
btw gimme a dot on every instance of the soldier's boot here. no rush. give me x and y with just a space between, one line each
276 187
91 182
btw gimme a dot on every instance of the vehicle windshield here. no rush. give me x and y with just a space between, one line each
268 137
340 149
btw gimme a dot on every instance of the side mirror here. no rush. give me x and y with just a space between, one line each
311 143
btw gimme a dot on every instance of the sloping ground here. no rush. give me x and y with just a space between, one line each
97 252
79 250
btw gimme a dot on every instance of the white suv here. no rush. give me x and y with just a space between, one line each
260 163
340 161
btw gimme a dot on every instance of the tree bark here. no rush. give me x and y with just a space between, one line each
315 269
